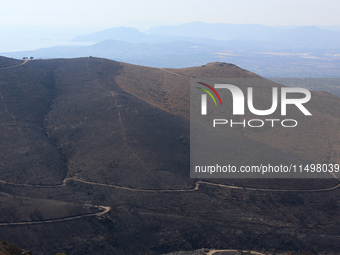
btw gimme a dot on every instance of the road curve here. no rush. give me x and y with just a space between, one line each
197 185
105 209
213 251
21 64
195 188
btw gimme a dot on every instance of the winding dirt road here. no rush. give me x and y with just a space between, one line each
21 64
195 188
105 209
213 251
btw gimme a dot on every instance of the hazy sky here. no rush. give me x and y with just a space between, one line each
26 25
108 13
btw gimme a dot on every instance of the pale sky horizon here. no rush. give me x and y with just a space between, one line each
39 23
108 13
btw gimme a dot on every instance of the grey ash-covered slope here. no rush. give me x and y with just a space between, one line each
28 155
70 117
122 124
79 136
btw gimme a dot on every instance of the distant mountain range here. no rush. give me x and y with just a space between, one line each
269 51
309 37
126 34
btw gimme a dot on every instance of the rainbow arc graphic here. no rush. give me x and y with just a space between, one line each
209 93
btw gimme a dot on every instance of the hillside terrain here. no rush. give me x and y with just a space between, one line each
331 85
94 159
